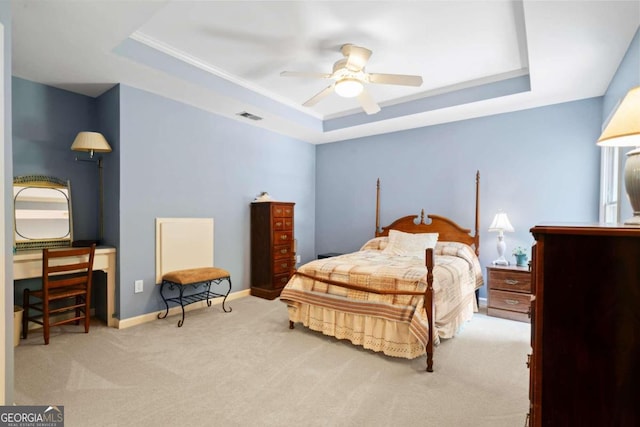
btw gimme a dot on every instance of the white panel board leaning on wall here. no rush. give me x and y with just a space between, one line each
183 243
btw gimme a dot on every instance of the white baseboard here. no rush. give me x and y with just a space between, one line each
148 317
482 301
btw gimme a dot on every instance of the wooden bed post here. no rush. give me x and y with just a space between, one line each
428 306
377 208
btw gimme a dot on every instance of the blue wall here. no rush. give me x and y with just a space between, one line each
45 122
537 165
108 116
179 161
171 160
168 160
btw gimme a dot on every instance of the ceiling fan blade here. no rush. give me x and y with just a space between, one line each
368 104
311 75
357 57
395 79
319 96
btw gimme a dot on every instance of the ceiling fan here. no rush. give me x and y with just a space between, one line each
350 77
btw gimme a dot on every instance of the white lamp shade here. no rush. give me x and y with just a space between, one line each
90 141
623 130
349 88
501 223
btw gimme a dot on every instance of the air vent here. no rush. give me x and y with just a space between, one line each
249 116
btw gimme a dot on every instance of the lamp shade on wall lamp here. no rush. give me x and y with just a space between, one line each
501 224
623 130
92 142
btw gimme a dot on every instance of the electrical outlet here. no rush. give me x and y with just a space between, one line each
138 286
298 259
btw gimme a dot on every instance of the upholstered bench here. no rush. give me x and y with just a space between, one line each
195 278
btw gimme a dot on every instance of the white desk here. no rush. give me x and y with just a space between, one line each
28 264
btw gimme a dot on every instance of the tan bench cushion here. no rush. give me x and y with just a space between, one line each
195 275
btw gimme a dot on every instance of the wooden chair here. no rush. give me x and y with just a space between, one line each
65 296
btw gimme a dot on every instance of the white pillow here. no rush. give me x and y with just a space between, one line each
409 244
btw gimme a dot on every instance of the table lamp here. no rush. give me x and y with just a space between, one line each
501 224
623 130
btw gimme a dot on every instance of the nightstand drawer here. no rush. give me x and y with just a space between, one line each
512 301
510 280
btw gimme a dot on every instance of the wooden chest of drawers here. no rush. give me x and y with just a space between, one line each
509 292
272 247
585 329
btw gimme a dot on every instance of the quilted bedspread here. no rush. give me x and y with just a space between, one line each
457 274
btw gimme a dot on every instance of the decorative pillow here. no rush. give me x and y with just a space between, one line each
375 244
409 244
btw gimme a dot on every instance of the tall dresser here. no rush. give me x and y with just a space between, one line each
272 249
585 334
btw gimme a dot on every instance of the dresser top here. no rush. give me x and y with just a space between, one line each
271 202
589 229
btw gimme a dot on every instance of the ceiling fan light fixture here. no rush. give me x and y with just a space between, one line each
349 88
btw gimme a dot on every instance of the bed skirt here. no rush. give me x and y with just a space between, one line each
373 333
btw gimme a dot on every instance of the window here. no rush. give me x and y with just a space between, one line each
609 184
610 178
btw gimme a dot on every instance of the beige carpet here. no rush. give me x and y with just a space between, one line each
246 368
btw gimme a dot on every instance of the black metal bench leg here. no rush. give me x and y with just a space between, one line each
225 297
208 291
160 315
181 321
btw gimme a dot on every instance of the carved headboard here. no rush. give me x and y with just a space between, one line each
447 229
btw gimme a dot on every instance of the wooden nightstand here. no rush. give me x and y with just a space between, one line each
509 292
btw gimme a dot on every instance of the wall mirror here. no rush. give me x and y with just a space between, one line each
42 212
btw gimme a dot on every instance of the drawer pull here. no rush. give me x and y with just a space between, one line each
284 280
278 224
284 265
284 237
511 282
284 251
512 301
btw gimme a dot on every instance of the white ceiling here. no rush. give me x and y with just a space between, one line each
476 57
